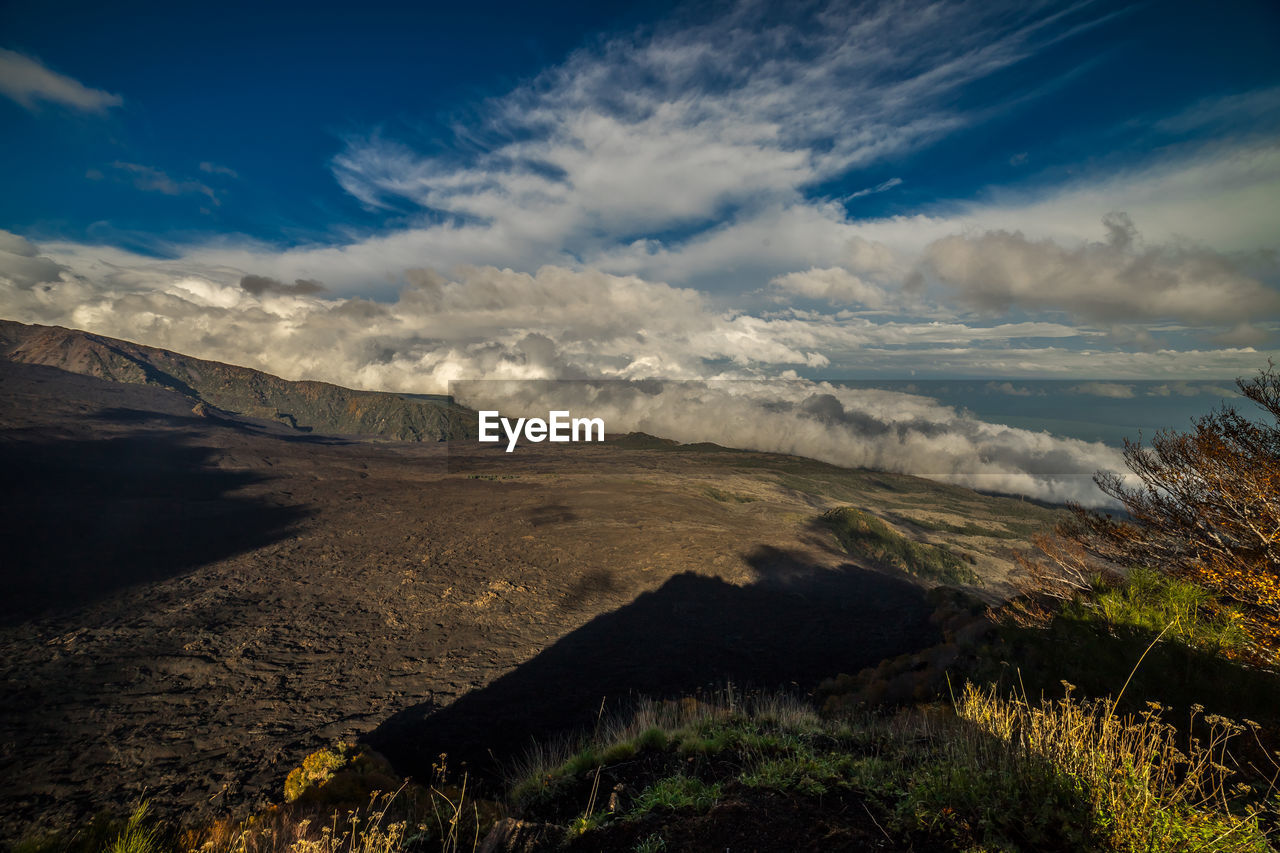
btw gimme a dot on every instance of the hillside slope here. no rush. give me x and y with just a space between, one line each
191 605
305 406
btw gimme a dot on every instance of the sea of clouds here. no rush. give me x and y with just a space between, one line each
646 356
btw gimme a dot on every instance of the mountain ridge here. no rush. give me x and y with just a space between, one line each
303 405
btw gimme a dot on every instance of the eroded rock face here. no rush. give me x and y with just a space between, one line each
304 406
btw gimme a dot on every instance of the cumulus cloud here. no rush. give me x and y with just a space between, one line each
28 82
610 325
21 263
1009 389
836 285
696 154
1192 389
562 323
1114 390
1117 280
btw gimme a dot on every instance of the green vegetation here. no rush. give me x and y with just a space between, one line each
1147 601
651 844
988 773
864 535
140 834
1200 505
677 792
342 774
1076 775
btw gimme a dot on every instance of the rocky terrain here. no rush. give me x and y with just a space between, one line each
195 600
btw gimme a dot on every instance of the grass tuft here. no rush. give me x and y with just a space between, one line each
1150 601
677 792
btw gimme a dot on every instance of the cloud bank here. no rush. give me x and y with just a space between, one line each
557 323
883 430
688 202
1113 281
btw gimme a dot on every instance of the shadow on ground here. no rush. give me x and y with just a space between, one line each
83 518
796 625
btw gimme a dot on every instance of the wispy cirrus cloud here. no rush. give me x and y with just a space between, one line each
698 123
883 186
149 179
218 169
29 82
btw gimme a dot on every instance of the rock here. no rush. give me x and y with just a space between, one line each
517 836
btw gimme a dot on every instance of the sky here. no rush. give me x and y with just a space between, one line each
399 196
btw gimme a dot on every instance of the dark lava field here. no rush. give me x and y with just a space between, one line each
194 601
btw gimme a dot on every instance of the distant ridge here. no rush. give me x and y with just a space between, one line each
305 406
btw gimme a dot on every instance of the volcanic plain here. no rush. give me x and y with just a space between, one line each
194 599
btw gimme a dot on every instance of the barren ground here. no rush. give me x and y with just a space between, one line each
194 604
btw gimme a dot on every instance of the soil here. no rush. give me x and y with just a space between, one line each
194 601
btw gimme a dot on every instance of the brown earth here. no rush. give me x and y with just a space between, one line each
194 601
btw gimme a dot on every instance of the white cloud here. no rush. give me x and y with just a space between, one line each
1188 389
883 186
1009 389
1253 109
698 123
836 285
1222 195
1113 281
587 324
607 325
28 82
21 262
630 214
1114 390
883 430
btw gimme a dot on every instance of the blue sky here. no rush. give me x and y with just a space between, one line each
394 197
267 91
237 114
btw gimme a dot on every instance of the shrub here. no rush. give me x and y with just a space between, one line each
344 774
1153 602
864 535
1205 506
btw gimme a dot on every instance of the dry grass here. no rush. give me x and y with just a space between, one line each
988 773
1037 772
